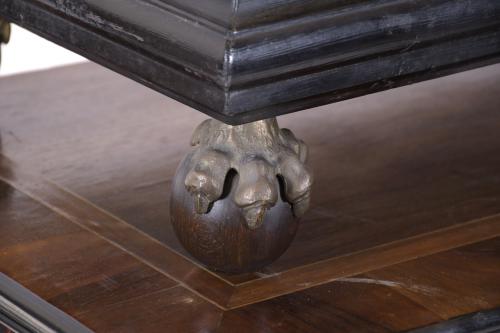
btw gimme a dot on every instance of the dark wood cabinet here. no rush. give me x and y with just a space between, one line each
245 60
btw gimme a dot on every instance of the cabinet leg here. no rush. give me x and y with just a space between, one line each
238 196
4 34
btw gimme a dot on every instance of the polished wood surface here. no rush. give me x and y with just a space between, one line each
403 230
477 322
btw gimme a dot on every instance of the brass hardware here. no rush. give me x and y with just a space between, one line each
4 34
262 154
4 31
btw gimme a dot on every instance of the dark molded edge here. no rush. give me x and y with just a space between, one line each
24 311
63 31
220 85
479 322
362 90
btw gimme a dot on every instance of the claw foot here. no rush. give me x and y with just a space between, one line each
238 195
261 154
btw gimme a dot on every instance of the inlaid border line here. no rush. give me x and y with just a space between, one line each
214 288
119 233
367 260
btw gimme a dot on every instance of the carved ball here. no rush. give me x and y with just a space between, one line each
220 239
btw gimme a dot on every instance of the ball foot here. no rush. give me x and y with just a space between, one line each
221 239
238 196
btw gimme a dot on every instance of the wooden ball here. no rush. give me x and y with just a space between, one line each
220 239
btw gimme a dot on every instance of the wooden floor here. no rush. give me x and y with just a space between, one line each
403 231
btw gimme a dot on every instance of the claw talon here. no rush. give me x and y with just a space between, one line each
201 203
254 216
301 205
